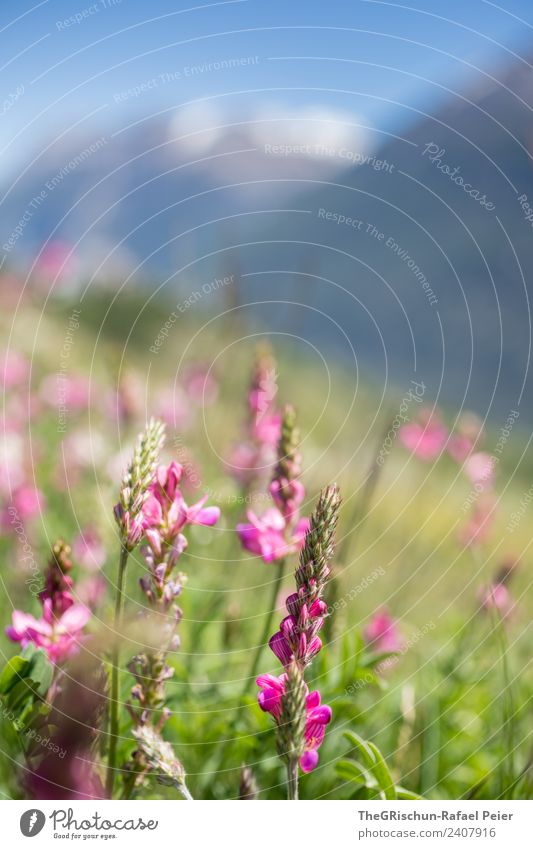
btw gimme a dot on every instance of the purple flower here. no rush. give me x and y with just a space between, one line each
317 715
267 535
58 636
381 633
165 509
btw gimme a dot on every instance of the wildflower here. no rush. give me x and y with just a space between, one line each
91 591
14 369
280 530
317 716
381 633
252 458
300 717
71 391
469 432
480 522
174 408
88 549
58 636
200 384
165 509
479 468
165 515
159 756
136 484
495 597
426 437
266 535
60 628
28 501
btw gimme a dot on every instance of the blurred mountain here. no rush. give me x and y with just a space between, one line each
412 260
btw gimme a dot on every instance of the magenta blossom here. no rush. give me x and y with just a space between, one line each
381 634
27 501
267 429
270 536
479 468
426 437
297 638
58 636
89 550
317 715
459 447
480 522
165 509
496 597
14 369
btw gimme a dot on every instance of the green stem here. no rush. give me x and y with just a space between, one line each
113 710
292 779
507 704
266 629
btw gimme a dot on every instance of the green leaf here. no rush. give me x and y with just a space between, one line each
362 747
375 658
349 770
402 793
13 672
382 773
42 671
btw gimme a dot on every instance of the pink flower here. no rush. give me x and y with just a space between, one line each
72 392
496 597
28 502
381 634
173 406
14 369
165 509
479 525
469 432
266 535
426 437
288 496
479 468
459 447
88 549
200 385
91 591
242 464
317 715
267 429
59 638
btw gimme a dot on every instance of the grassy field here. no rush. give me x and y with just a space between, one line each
450 711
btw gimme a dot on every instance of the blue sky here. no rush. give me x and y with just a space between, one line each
75 64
